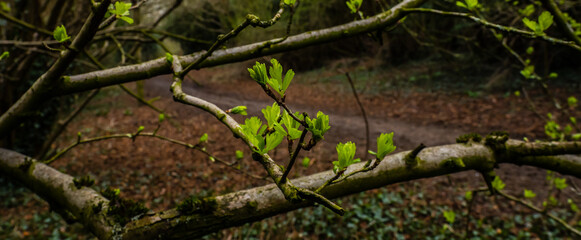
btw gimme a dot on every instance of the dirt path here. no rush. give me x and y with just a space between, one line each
346 125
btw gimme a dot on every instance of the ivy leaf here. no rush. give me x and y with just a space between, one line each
545 20
271 114
498 184
258 73
529 193
60 34
345 154
385 145
450 216
560 183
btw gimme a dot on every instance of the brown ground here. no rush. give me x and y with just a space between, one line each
162 174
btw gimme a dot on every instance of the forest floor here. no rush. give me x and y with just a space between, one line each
161 174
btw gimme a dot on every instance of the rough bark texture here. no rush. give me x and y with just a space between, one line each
258 203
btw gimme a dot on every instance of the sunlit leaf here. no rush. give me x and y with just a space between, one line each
60 34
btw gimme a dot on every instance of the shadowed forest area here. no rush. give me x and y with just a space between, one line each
149 123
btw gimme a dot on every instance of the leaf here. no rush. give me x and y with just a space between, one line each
306 162
545 20
385 145
288 77
573 206
60 34
272 141
553 75
4 6
471 4
252 129
204 138
345 154
531 24
318 126
169 57
127 19
290 2
271 114
572 101
354 5
461 4
498 184
239 154
560 183
258 73
450 216
5 54
238 110
276 75
530 50
121 8
291 125
528 10
468 195
529 193
528 71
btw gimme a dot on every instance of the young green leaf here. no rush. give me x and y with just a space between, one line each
306 162
290 2
60 34
572 101
573 206
385 145
529 193
253 129
470 4
345 154
528 71
560 183
239 154
498 184
354 5
258 73
318 126
528 10
292 125
468 195
273 140
532 25
169 57
204 138
238 110
288 77
4 6
530 50
271 114
553 75
161 117
275 75
121 10
545 20
450 216
5 54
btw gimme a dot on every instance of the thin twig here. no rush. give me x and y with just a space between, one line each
291 163
367 142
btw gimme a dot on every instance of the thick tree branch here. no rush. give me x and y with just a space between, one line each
159 66
258 203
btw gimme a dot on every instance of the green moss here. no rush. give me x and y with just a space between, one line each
85 181
97 208
194 204
475 137
122 210
26 165
454 163
253 204
496 140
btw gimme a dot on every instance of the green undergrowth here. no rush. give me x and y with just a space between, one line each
401 214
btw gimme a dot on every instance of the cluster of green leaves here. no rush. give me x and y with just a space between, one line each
345 155
60 34
545 20
354 5
269 136
121 11
276 80
471 5
4 6
576 26
555 132
318 126
384 145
